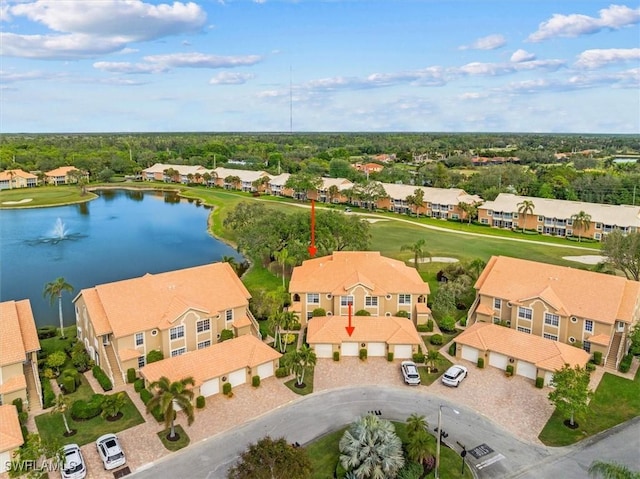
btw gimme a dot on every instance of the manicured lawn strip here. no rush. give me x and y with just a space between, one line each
615 401
53 344
442 364
51 426
174 445
308 381
44 196
257 278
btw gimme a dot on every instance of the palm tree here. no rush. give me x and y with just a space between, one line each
525 207
432 357
61 405
167 394
233 181
581 222
419 251
333 193
371 449
418 438
289 318
112 405
232 262
54 290
283 258
469 209
418 200
611 470
301 361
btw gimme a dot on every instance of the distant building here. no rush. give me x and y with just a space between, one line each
10 179
63 175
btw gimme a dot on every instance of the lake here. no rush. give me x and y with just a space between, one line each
122 234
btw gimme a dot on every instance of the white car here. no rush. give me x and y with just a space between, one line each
110 451
410 373
454 375
73 466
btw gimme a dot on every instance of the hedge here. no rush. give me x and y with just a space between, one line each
68 384
429 325
481 363
255 381
154 355
225 335
281 372
17 402
226 389
336 355
362 312
436 339
46 332
418 358
452 349
296 326
102 378
509 370
402 314
423 328
597 357
48 396
145 396
318 312
83 410
131 375
138 385
390 356
200 402
73 374
363 353
539 382
625 364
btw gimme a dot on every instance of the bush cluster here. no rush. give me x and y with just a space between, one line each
296 326
226 389
200 402
418 358
436 339
452 349
336 355
70 380
226 334
481 363
363 353
509 370
138 385
597 358
318 312
102 378
154 355
82 410
281 372
402 314
390 357
539 382
362 312
145 396
625 364
131 375
448 324
255 381
46 332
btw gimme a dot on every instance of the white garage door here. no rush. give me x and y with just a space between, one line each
349 349
265 370
209 388
548 378
498 360
238 377
5 458
526 369
402 351
323 350
469 353
377 349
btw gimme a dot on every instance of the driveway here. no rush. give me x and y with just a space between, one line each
513 403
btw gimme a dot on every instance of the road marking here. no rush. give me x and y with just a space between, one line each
488 462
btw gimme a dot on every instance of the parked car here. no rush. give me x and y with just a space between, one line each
73 466
410 373
110 451
454 375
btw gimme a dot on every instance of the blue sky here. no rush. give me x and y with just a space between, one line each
212 65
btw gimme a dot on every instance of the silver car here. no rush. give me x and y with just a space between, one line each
454 375
410 373
73 466
110 451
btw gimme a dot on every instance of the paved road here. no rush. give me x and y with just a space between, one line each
310 417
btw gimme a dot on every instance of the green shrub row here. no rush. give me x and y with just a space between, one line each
154 355
102 378
83 410
46 332
625 364
423 328
48 396
452 349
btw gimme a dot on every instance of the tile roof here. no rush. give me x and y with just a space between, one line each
156 300
341 183
244 175
574 292
16 383
544 353
19 335
127 354
484 309
217 360
388 329
181 169
279 180
601 339
10 432
621 215
5 175
61 171
344 269
441 196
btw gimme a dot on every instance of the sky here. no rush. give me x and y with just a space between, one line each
320 65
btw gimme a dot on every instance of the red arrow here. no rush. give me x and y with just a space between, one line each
312 249
350 328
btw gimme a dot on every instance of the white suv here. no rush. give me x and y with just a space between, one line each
73 466
110 451
410 373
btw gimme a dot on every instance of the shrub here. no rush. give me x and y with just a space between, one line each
318 312
436 339
80 358
363 353
625 364
200 402
56 360
145 396
102 378
481 363
423 328
282 372
46 332
418 358
539 382
17 402
289 338
402 314
48 396
138 385
131 375
590 367
452 349
68 384
362 312
597 357
154 355
296 326
225 335
336 355
72 373
448 323
463 321
226 389
509 370
255 381
83 410
390 356
48 373
429 325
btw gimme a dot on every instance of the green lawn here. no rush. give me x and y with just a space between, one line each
174 445
44 196
615 401
442 364
51 426
308 382
55 343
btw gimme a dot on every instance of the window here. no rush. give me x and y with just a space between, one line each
524 330
371 301
484 221
203 325
497 303
309 315
552 337
551 319
141 362
525 313
540 219
177 332
346 300
228 315
139 339
586 346
588 326
204 344
313 298
178 352
404 299
496 320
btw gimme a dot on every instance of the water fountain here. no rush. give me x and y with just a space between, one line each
59 232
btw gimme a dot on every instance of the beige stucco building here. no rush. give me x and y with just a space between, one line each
10 179
10 434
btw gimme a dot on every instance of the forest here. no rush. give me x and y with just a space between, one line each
592 168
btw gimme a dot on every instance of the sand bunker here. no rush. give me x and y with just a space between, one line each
25 200
435 259
373 220
586 259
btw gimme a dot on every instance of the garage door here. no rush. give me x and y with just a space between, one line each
402 351
548 378
527 370
5 458
238 377
470 354
377 349
265 370
209 388
349 349
323 350
498 360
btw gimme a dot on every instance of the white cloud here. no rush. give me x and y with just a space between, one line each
231 78
495 69
202 60
490 42
521 55
14 77
127 67
603 57
57 47
574 25
473 96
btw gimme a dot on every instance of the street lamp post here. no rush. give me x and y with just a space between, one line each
439 439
